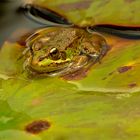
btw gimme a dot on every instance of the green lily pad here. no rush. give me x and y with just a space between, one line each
93 12
102 105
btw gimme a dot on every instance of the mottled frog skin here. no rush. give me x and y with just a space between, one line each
60 51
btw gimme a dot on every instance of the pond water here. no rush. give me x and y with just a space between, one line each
12 19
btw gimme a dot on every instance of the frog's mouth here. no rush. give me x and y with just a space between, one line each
48 66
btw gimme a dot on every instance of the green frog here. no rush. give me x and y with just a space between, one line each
59 50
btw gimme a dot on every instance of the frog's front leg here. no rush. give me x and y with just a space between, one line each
94 46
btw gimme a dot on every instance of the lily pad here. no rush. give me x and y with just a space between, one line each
93 12
102 105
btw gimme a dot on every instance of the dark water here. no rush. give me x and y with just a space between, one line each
13 19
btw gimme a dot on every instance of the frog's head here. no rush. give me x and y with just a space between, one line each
52 52
45 58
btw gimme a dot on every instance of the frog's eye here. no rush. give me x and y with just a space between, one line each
54 54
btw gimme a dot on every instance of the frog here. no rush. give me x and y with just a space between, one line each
61 51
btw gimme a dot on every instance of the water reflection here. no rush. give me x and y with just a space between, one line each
13 19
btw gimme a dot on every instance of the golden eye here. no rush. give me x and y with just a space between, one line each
54 54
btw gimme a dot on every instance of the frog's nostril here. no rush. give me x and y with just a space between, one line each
37 46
